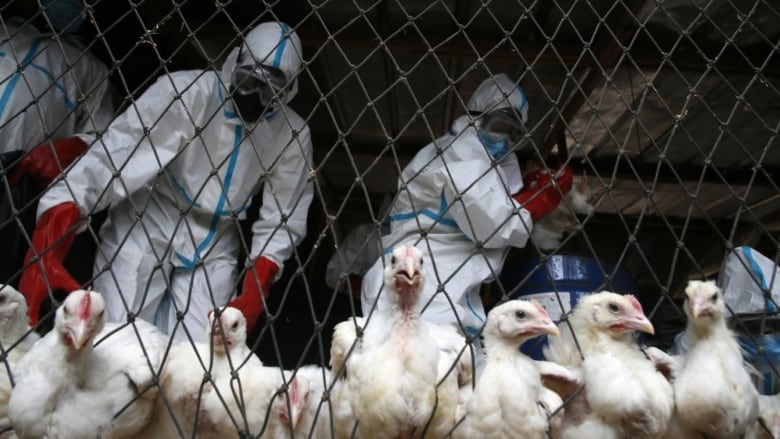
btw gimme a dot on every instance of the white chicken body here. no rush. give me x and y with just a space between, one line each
17 337
623 390
392 372
68 388
713 390
219 389
506 400
548 232
317 417
395 380
626 390
768 426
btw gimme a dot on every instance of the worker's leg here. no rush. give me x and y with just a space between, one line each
197 292
130 280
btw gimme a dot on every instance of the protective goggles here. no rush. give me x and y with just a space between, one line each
504 123
267 82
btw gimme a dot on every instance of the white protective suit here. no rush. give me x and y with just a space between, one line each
70 100
456 208
174 194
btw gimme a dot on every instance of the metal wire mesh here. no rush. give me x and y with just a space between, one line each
667 112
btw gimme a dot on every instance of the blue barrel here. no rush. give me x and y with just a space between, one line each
559 282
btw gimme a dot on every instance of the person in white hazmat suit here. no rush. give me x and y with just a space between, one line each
176 172
461 202
50 89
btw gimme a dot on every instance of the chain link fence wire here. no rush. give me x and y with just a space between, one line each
666 111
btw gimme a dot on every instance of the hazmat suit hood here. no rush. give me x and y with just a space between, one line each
271 44
498 92
498 102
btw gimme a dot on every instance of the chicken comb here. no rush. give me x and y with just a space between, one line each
634 303
409 251
85 306
539 307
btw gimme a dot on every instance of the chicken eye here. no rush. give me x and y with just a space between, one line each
714 298
613 308
2 299
520 314
392 260
235 325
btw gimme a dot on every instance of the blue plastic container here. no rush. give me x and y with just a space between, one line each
558 285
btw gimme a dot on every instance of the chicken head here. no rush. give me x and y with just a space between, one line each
227 329
614 313
80 318
404 277
704 301
517 321
13 308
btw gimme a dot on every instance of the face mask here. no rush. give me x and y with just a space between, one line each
249 106
496 147
265 82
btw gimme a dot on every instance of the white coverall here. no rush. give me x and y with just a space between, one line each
174 193
447 204
75 99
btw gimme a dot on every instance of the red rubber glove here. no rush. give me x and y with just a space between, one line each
544 197
249 302
46 161
53 235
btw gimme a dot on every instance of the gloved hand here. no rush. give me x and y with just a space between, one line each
45 162
249 302
539 196
53 235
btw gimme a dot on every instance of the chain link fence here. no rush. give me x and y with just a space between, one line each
666 113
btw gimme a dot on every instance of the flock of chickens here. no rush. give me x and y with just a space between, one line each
392 375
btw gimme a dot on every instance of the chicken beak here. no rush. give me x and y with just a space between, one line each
700 307
410 271
79 333
553 330
641 323
546 326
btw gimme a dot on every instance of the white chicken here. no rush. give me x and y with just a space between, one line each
548 232
714 393
391 374
454 374
221 389
316 420
624 395
86 379
16 338
507 401
767 425
344 340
